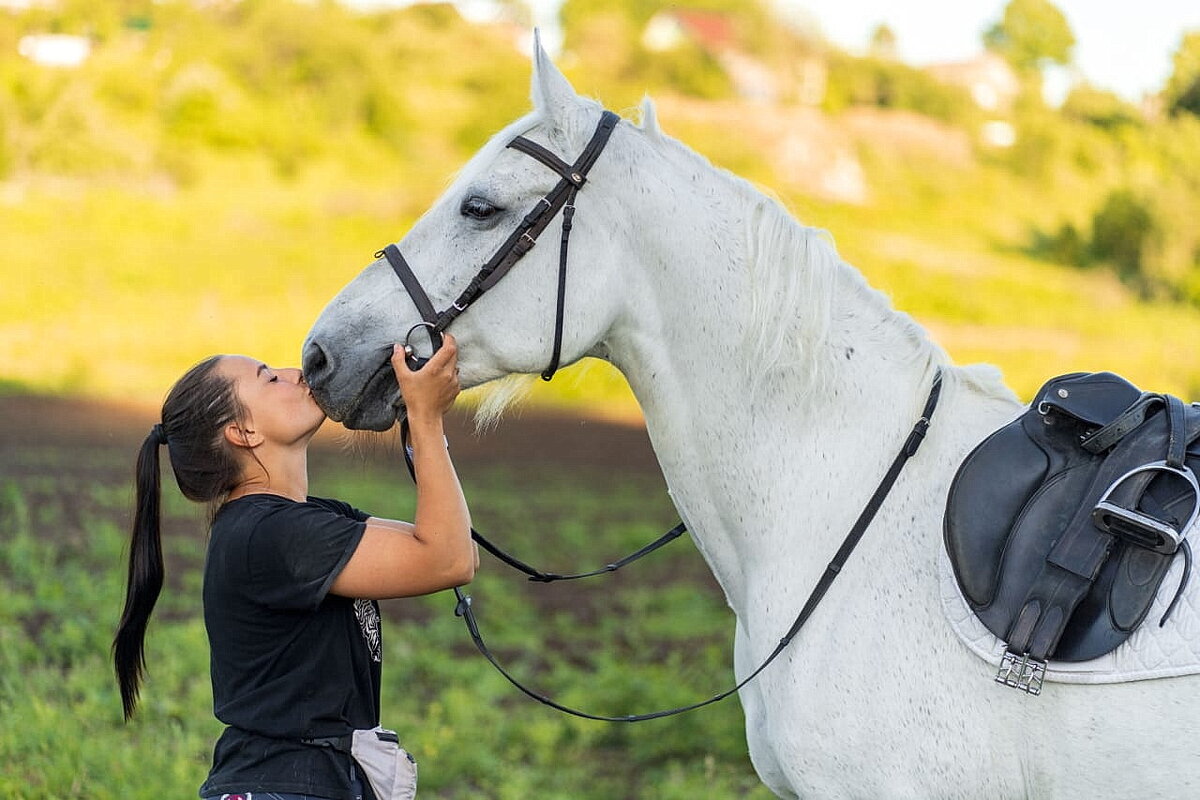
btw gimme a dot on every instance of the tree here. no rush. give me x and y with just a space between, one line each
1182 93
1030 35
883 42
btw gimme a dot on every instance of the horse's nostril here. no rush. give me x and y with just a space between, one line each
316 364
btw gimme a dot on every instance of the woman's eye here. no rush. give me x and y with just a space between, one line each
478 208
274 378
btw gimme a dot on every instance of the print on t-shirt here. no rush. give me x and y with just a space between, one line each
368 619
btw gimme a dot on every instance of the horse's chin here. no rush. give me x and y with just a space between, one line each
372 408
371 417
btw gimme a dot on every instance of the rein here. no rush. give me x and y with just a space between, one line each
865 517
519 242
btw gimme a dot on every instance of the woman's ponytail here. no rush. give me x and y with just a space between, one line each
196 410
145 579
195 413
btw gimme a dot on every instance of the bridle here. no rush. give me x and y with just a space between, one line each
518 243
514 248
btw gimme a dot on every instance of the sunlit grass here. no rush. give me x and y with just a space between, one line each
113 288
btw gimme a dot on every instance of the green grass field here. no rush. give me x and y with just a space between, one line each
217 172
656 636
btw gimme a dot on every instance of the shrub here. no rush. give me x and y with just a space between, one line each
1100 108
1123 231
890 84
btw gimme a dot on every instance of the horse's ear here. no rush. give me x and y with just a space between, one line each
650 117
551 91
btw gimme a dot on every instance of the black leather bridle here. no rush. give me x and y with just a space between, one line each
518 243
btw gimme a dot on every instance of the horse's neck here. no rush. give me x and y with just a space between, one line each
752 473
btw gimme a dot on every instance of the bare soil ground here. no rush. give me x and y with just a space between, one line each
522 439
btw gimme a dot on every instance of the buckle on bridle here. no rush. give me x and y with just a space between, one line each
415 361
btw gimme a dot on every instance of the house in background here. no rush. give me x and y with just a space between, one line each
713 32
55 49
988 77
24 5
993 85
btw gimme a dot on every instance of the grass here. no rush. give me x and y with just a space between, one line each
112 289
655 637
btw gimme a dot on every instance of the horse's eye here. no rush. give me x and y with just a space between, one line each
478 208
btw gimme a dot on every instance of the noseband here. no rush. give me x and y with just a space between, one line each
518 243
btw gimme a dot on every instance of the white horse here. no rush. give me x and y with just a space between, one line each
776 386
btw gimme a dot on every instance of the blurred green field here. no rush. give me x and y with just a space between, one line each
216 172
112 291
207 184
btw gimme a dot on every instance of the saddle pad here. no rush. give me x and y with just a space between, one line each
1150 652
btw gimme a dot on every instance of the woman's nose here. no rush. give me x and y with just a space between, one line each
293 374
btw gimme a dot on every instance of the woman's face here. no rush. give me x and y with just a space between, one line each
277 401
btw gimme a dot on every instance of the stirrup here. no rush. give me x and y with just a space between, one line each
1138 527
1022 672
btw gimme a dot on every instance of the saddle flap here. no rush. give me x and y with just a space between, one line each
1019 525
1094 398
993 484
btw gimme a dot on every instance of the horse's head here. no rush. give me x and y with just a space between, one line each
511 327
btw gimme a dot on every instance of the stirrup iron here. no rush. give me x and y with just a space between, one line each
1138 527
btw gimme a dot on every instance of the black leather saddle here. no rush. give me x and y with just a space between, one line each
1061 525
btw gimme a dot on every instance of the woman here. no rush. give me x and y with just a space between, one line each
290 581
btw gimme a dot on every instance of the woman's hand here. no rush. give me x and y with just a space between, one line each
430 391
435 552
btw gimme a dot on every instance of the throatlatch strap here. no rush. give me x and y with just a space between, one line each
911 445
560 305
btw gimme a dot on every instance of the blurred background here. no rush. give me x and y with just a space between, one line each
185 177
182 178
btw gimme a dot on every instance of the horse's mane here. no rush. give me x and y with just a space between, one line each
795 275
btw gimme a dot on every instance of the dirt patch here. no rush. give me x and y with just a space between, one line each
540 438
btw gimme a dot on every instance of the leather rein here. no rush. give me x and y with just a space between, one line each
518 243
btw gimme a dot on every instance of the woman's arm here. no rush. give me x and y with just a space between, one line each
398 559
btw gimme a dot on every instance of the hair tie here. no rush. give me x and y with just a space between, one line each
160 436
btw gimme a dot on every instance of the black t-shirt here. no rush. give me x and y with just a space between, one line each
288 660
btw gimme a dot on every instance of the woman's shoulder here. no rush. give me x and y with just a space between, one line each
261 514
264 503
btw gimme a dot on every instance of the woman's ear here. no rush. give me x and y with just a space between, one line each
240 436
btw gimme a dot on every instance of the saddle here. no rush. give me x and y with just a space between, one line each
1061 525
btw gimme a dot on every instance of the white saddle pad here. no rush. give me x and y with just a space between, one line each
1151 652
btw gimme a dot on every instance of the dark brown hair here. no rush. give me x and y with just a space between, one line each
194 416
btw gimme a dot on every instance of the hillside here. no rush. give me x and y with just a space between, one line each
210 177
